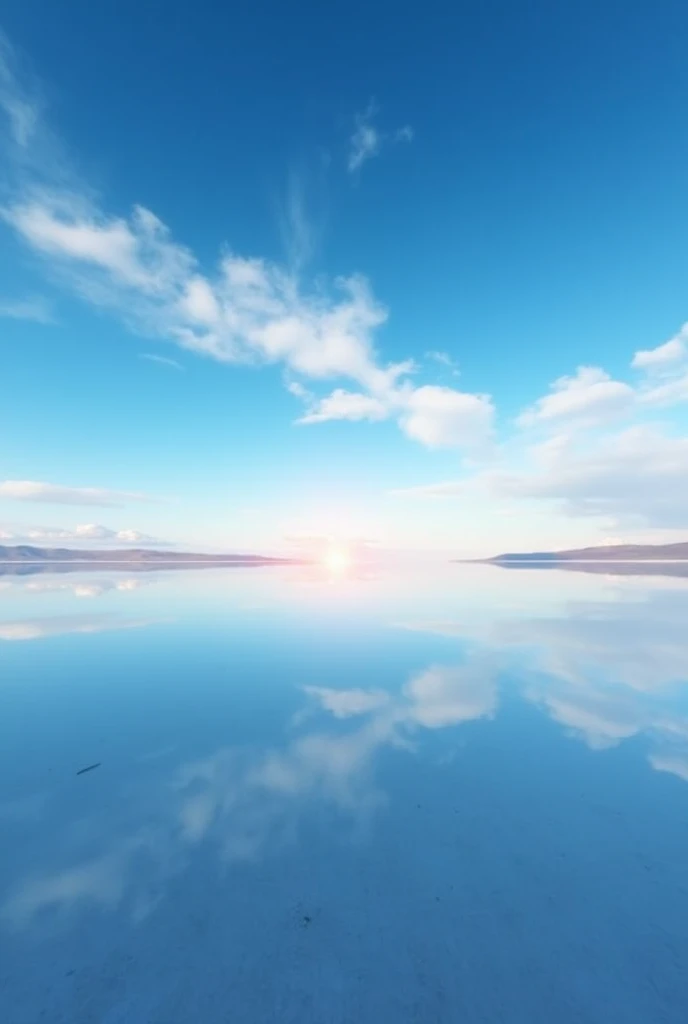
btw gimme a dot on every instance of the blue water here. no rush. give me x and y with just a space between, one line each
452 796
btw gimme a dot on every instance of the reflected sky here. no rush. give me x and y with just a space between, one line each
456 795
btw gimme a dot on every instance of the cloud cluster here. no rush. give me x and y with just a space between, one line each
434 415
247 310
591 398
589 448
83 532
638 476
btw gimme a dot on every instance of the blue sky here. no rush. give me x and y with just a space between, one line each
413 276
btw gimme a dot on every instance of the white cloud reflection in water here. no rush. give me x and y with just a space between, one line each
605 671
358 750
250 802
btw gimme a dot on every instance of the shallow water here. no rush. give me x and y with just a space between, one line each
460 795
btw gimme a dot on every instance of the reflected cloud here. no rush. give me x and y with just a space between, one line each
675 764
77 588
101 881
344 703
38 629
443 696
605 672
248 803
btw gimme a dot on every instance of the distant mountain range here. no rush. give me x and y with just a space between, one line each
607 553
129 556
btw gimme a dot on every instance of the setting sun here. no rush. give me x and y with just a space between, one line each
337 560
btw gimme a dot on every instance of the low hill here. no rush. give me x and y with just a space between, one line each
29 553
609 553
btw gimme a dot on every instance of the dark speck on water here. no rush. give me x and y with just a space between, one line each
89 768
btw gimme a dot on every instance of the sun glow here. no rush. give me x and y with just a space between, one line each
337 560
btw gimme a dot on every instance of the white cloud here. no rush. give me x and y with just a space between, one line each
82 532
347 405
135 254
295 388
367 140
666 370
590 397
664 356
668 392
39 491
443 417
254 310
35 308
637 476
433 415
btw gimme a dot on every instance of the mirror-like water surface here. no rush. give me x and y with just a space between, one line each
452 796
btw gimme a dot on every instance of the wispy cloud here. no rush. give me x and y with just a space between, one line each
19 105
58 494
445 360
161 360
301 217
367 140
34 308
405 134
